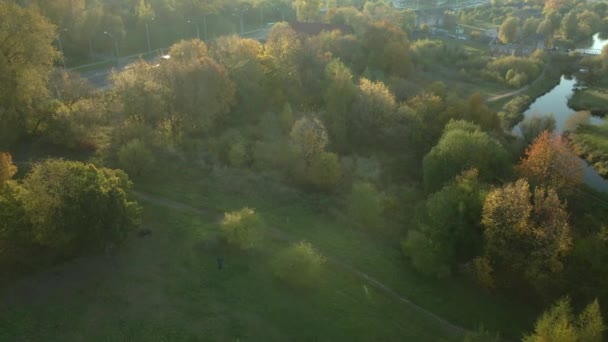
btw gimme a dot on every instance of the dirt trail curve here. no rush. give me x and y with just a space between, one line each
279 234
520 90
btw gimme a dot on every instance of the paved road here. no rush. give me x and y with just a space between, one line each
100 76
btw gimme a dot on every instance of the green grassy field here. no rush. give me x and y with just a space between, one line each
591 142
591 99
166 287
368 250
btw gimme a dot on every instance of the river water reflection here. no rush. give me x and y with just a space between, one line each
556 102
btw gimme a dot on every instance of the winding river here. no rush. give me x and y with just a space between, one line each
556 102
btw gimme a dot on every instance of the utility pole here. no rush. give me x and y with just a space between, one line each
205 26
148 36
115 43
241 16
198 31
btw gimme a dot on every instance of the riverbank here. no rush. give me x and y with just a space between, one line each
593 99
548 79
590 142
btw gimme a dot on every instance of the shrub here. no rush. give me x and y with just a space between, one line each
324 172
515 71
299 266
364 205
423 254
242 228
15 241
63 127
483 272
277 155
513 111
135 158
237 155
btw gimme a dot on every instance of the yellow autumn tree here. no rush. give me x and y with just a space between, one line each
7 168
549 162
526 233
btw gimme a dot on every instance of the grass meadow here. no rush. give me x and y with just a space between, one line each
166 286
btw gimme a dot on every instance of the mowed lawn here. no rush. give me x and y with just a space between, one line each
166 286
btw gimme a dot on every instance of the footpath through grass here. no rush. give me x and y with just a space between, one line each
166 286
371 250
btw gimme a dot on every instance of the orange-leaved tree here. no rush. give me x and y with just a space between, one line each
549 162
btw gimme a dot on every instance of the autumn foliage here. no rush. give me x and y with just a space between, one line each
7 168
549 162
526 233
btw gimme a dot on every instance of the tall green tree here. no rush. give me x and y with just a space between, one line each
313 165
373 112
509 30
559 324
388 49
450 224
464 146
309 137
569 25
340 92
307 10
27 57
201 92
364 205
280 61
141 95
240 58
74 206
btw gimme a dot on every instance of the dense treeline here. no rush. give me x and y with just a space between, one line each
335 114
89 29
558 23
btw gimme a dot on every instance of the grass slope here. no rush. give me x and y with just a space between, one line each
591 99
591 142
166 287
369 251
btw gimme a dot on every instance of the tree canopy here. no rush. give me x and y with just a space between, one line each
27 57
526 233
549 162
464 146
